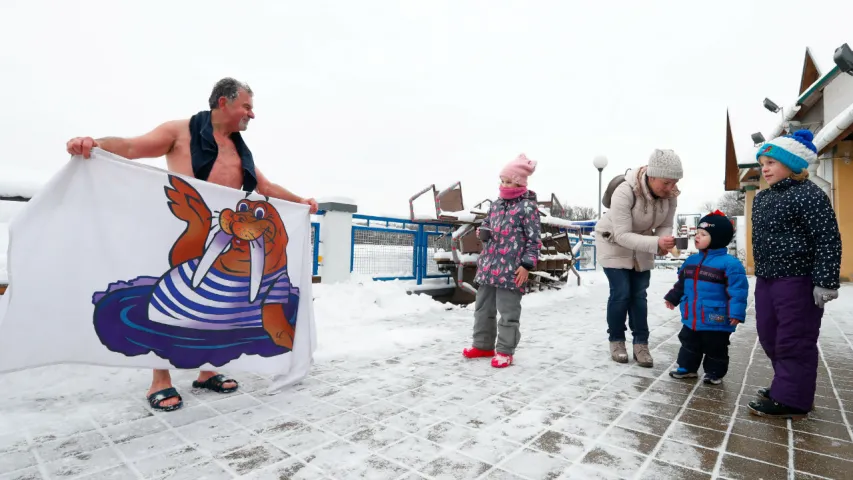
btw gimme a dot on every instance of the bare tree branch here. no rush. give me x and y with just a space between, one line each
582 213
733 204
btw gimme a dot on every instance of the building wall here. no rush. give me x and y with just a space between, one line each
750 260
837 96
843 177
813 119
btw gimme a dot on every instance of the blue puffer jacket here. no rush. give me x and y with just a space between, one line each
712 289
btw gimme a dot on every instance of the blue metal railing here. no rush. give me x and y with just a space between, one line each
400 249
395 248
315 248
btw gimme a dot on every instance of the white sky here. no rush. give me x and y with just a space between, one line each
377 99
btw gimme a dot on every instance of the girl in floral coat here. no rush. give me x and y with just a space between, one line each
510 235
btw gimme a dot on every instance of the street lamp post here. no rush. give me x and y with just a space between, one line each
599 162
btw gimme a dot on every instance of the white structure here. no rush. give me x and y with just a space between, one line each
336 241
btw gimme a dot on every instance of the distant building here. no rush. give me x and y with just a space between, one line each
824 106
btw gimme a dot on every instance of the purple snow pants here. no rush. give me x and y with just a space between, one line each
788 324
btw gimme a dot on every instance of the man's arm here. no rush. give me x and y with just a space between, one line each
156 143
270 189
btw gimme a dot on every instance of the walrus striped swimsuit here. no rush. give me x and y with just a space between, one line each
221 301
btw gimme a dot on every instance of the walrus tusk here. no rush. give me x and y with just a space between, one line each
219 243
256 266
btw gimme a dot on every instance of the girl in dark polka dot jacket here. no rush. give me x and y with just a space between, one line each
797 251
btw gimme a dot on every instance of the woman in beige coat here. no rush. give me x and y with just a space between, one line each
637 226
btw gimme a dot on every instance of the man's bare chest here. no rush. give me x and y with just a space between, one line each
228 168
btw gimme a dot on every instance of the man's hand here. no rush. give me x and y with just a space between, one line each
312 203
521 275
666 243
669 305
734 322
81 146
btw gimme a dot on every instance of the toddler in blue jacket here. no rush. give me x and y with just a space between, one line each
712 291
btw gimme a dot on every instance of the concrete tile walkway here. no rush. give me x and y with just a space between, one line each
562 411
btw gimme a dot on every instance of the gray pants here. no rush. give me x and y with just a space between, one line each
490 301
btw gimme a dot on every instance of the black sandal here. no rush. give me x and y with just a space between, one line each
215 383
156 398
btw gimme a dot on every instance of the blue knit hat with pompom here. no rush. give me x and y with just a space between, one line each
795 151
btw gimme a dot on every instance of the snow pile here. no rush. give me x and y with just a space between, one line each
362 316
570 290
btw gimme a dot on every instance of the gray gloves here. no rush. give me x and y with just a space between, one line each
823 295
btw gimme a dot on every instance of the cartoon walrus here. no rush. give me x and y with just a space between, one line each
226 293
238 280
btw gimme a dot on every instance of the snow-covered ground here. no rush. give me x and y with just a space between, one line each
391 397
8 209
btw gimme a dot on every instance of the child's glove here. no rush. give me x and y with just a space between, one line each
823 295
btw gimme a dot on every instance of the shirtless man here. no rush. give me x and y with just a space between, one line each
230 111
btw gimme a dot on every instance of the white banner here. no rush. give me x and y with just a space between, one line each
115 263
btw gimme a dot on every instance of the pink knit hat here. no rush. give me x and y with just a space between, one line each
519 169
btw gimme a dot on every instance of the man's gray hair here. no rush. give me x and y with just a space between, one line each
228 88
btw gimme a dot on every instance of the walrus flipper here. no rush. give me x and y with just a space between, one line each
186 204
280 307
277 326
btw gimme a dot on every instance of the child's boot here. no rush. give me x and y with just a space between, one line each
501 360
474 352
680 373
764 393
712 380
767 407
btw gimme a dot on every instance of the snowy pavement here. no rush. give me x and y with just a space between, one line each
392 398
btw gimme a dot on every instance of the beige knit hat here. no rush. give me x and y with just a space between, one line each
664 164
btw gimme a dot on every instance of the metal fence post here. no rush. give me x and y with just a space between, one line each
316 260
420 254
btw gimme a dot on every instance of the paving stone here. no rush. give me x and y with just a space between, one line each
740 468
252 458
167 463
426 412
31 473
454 465
290 469
613 460
413 451
772 453
689 456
